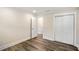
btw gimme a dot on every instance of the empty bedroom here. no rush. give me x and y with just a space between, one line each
39 28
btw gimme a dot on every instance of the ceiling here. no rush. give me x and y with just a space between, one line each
46 10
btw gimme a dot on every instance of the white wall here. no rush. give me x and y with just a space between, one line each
14 27
40 25
48 27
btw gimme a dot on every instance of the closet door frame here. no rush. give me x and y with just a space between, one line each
74 25
31 28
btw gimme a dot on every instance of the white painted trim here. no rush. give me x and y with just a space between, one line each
13 43
61 14
47 37
53 29
75 42
75 14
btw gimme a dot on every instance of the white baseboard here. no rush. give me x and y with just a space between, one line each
47 37
4 46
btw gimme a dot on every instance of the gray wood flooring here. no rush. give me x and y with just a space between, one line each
37 44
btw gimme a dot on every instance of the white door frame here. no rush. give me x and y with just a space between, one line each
33 28
74 32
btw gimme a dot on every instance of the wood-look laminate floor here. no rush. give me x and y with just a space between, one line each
41 45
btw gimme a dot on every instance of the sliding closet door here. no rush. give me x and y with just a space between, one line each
64 28
68 28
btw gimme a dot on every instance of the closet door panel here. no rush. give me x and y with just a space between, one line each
68 29
59 29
